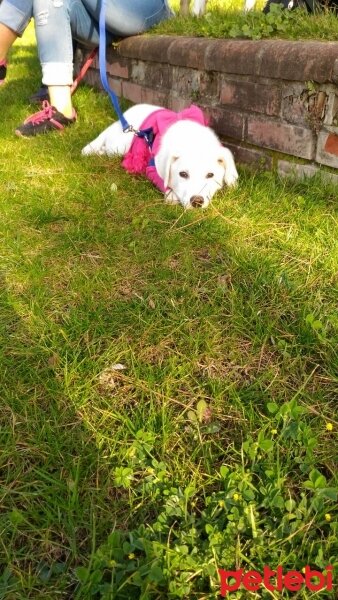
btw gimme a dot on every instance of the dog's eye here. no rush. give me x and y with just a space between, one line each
183 174
209 175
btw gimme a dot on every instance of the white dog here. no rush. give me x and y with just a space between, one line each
187 161
198 6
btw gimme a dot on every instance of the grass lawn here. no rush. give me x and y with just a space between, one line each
226 18
168 379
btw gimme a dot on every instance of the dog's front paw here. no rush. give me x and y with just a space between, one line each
171 198
87 150
231 177
90 149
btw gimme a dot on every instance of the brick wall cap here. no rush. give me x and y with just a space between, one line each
146 47
277 59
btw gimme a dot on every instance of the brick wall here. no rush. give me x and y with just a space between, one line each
269 101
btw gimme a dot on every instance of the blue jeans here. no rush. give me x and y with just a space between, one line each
58 21
16 14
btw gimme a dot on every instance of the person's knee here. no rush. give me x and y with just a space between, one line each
52 11
41 18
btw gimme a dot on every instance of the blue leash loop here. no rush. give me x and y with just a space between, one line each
147 134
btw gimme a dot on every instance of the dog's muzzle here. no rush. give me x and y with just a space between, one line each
196 201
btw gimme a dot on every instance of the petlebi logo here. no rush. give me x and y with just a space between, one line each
276 580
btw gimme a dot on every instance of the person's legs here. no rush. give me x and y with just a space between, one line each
127 17
7 39
56 21
55 47
15 16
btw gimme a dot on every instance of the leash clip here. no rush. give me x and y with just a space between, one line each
146 134
129 129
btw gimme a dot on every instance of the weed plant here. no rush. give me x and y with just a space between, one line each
168 379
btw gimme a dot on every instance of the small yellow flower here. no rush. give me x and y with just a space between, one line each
221 503
329 427
303 570
328 517
131 555
236 497
274 431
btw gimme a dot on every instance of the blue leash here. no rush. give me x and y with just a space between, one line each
147 134
103 72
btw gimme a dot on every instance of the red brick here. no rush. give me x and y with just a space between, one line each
289 139
209 85
335 71
331 144
178 103
226 122
118 68
93 78
157 97
327 149
288 168
139 94
115 85
186 82
295 103
331 115
158 75
132 91
252 96
304 107
250 156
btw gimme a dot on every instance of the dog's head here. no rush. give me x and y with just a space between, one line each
193 164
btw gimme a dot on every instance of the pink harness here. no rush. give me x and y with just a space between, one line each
140 158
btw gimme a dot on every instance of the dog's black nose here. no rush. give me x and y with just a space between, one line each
197 201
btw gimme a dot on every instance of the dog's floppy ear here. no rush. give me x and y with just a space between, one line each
230 172
164 162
